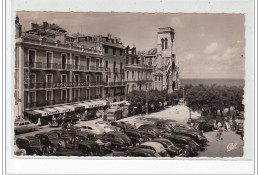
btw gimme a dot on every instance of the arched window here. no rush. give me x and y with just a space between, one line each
166 43
162 40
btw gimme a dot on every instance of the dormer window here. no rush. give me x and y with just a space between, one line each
114 51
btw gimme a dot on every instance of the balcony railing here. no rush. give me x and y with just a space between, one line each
38 104
33 64
115 83
50 65
65 66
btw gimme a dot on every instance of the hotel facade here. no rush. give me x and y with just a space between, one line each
55 70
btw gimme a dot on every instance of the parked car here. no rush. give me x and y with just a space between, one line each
200 140
188 147
186 127
106 126
114 114
32 145
90 148
203 126
136 136
24 126
169 146
155 146
91 128
118 140
99 113
63 134
123 125
151 129
51 140
141 152
164 126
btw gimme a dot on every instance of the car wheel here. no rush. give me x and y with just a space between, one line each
185 153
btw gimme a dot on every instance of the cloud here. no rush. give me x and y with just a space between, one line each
212 48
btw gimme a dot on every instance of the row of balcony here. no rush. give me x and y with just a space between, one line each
140 65
71 84
56 66
67 100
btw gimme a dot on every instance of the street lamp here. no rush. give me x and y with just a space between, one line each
183 95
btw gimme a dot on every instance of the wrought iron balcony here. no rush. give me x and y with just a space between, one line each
33 64
50 66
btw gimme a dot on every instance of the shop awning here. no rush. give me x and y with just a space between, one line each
42 112
32 113
97 103
88 105
69 107
61 109
53 111
79 107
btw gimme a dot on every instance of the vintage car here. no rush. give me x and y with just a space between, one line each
24 126
106 126
203 126
73 130
185 143
186 127
51 140
32 145
118 140
114 114
141 152
151 129
123 125
68 152
164 126
139 136
63 134
169 146
91 128
91 148
200 140
155 146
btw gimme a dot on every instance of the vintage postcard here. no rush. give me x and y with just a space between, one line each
129 85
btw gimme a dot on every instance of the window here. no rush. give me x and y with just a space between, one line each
32 97
76 78
114 51
114 66
126 62
121 67
64 94
76 58
106 64
127 75
49 80
166 43
32 56
87 79
49 59
162 42
121 52
63 60
133 61
49 97
63 78
106 49
88 62
133 74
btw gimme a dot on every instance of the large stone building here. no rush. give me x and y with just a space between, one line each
163 58
55 70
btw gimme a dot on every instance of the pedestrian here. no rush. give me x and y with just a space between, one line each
219 134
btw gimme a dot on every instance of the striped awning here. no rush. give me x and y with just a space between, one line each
43 112
69 107
61 109
32 112
52 110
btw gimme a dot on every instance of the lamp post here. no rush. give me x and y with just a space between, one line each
183 95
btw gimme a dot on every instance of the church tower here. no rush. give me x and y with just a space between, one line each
166 59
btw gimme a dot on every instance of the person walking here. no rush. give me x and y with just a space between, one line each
219 134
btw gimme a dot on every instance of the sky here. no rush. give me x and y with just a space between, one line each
207 45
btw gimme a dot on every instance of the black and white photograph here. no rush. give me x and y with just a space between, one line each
129 85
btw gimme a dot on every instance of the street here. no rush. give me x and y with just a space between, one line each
230 146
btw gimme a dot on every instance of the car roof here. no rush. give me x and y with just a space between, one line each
157 146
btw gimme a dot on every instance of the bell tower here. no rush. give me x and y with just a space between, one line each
166 60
